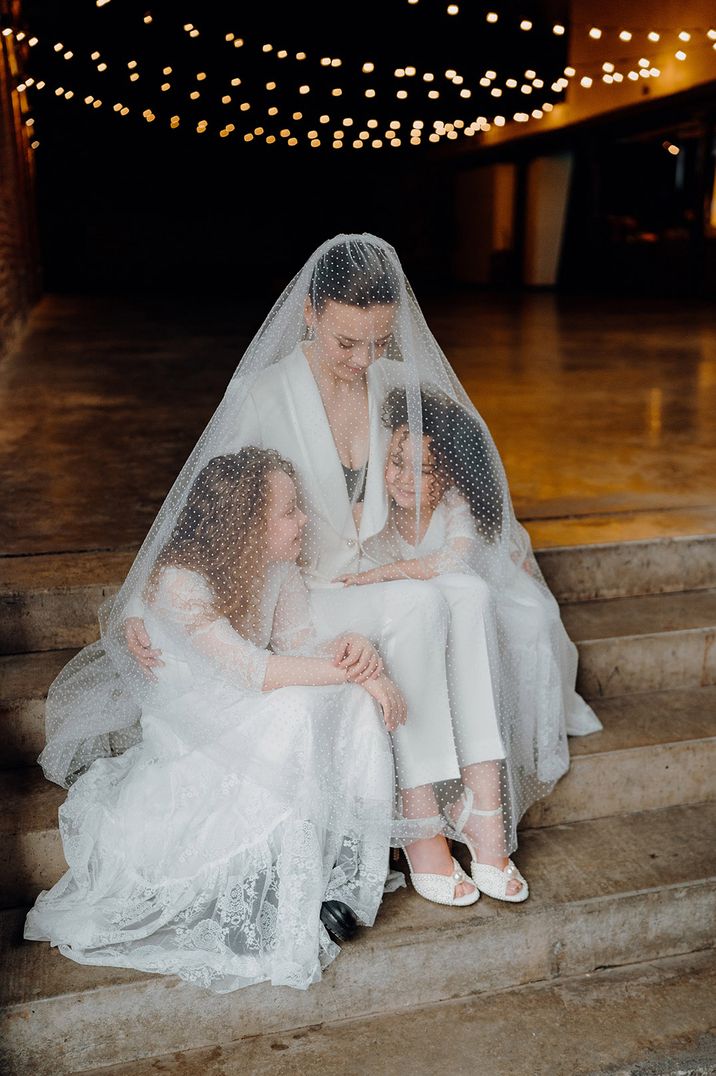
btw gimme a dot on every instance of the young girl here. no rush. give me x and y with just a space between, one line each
448 543
263 783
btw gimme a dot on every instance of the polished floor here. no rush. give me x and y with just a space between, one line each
604 411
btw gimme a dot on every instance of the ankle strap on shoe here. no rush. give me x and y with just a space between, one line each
468 809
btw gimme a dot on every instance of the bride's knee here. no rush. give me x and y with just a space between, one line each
419 599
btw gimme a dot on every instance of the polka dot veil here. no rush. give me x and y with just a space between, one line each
350 617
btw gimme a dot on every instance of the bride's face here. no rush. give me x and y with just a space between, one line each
284 519
400 475
347 339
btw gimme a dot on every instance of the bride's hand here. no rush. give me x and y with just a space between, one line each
140 646
392 703
358 657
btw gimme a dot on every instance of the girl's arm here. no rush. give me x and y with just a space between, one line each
294 636
417 568
283 670
211 642
457 554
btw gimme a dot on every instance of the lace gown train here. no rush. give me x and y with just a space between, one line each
206 849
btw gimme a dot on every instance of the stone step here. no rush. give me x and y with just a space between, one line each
656 750
629 569
604 892
528 1029
24 682
648 643
50 602
645 643
618 525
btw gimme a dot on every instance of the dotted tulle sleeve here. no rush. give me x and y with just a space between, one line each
294 631
184 602
460 552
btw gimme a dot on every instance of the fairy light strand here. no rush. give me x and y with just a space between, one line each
586 76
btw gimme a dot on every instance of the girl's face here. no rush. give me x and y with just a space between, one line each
284 519
348 339
400 476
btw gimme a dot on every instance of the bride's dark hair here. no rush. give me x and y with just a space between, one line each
355 274
459 448
221 532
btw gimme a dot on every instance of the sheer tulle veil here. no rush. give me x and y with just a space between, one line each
95 704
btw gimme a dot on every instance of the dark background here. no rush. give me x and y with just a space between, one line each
129 206
126 204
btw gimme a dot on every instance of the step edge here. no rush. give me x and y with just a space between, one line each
396 942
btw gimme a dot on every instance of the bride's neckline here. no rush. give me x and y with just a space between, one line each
346 467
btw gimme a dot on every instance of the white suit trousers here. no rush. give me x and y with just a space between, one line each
434 638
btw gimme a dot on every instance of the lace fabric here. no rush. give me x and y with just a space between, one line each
207 848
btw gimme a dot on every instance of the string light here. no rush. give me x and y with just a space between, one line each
608 73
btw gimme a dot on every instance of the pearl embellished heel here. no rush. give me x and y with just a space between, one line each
440 888
490 879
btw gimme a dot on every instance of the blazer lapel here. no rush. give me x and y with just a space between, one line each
375 502
321 463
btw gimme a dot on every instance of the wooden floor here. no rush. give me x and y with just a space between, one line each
604 411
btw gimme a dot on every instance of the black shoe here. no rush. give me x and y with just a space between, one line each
339 920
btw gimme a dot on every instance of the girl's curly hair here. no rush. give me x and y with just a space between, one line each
461 451
221 532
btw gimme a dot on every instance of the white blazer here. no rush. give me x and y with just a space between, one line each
283 409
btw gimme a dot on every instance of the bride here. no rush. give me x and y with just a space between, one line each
263 781
474 753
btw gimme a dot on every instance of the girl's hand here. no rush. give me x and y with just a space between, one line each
524 565
361 579
392 703
358 657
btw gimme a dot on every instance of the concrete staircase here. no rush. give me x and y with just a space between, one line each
621 861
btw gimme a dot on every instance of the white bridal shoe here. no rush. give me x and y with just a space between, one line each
491 880
440 888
